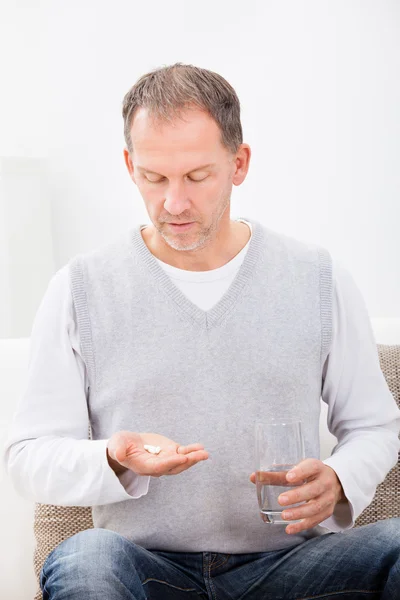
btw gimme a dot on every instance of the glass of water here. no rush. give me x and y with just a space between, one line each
279 447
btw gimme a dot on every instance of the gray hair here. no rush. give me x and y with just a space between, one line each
168 91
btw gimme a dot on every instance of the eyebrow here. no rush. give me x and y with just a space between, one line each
144 170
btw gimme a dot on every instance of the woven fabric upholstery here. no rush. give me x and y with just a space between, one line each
386 502
54 524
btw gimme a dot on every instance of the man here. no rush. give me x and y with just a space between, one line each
174 341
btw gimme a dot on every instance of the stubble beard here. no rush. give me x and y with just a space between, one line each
183 243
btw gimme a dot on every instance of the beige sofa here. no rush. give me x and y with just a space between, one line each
30 531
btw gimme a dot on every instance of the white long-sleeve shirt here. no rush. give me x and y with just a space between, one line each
50 459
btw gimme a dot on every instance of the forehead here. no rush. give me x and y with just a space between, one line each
194 140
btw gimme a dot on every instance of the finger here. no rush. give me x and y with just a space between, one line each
159 466
178 470
310 509
302 493
201 455
272 478
305 524
195 457
310 467
190 448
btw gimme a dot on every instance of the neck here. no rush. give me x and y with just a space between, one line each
222 248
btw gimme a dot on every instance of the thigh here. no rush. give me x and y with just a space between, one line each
353 565
99 563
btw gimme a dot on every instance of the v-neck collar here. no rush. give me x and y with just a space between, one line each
211 317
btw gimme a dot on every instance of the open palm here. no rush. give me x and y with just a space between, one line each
127 447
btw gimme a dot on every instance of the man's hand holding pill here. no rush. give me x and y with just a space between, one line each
151 454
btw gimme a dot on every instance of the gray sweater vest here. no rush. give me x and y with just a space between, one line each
156 362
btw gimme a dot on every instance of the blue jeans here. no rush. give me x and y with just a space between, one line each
99 564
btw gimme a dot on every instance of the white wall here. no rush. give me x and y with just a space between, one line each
24 79
26 248
26 244
319 87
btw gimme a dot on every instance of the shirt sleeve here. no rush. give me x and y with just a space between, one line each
362 412
48 455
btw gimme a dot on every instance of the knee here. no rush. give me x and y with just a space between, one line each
88 547
393 525
92 540
388 533
85 561
389 527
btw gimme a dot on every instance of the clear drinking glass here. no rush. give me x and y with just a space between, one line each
279 447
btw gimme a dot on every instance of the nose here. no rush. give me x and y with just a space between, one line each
176 200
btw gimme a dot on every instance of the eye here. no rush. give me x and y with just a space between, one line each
198 180
161 179
154 180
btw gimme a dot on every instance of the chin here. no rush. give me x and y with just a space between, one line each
179 244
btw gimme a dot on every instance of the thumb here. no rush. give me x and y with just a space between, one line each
117 447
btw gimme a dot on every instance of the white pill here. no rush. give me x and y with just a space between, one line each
152 449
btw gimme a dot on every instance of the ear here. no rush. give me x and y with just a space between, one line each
129 164
242 163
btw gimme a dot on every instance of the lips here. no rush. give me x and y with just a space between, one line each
180 226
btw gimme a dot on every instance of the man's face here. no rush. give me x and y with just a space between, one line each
184 175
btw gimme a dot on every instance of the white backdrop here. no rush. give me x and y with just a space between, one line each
320 93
